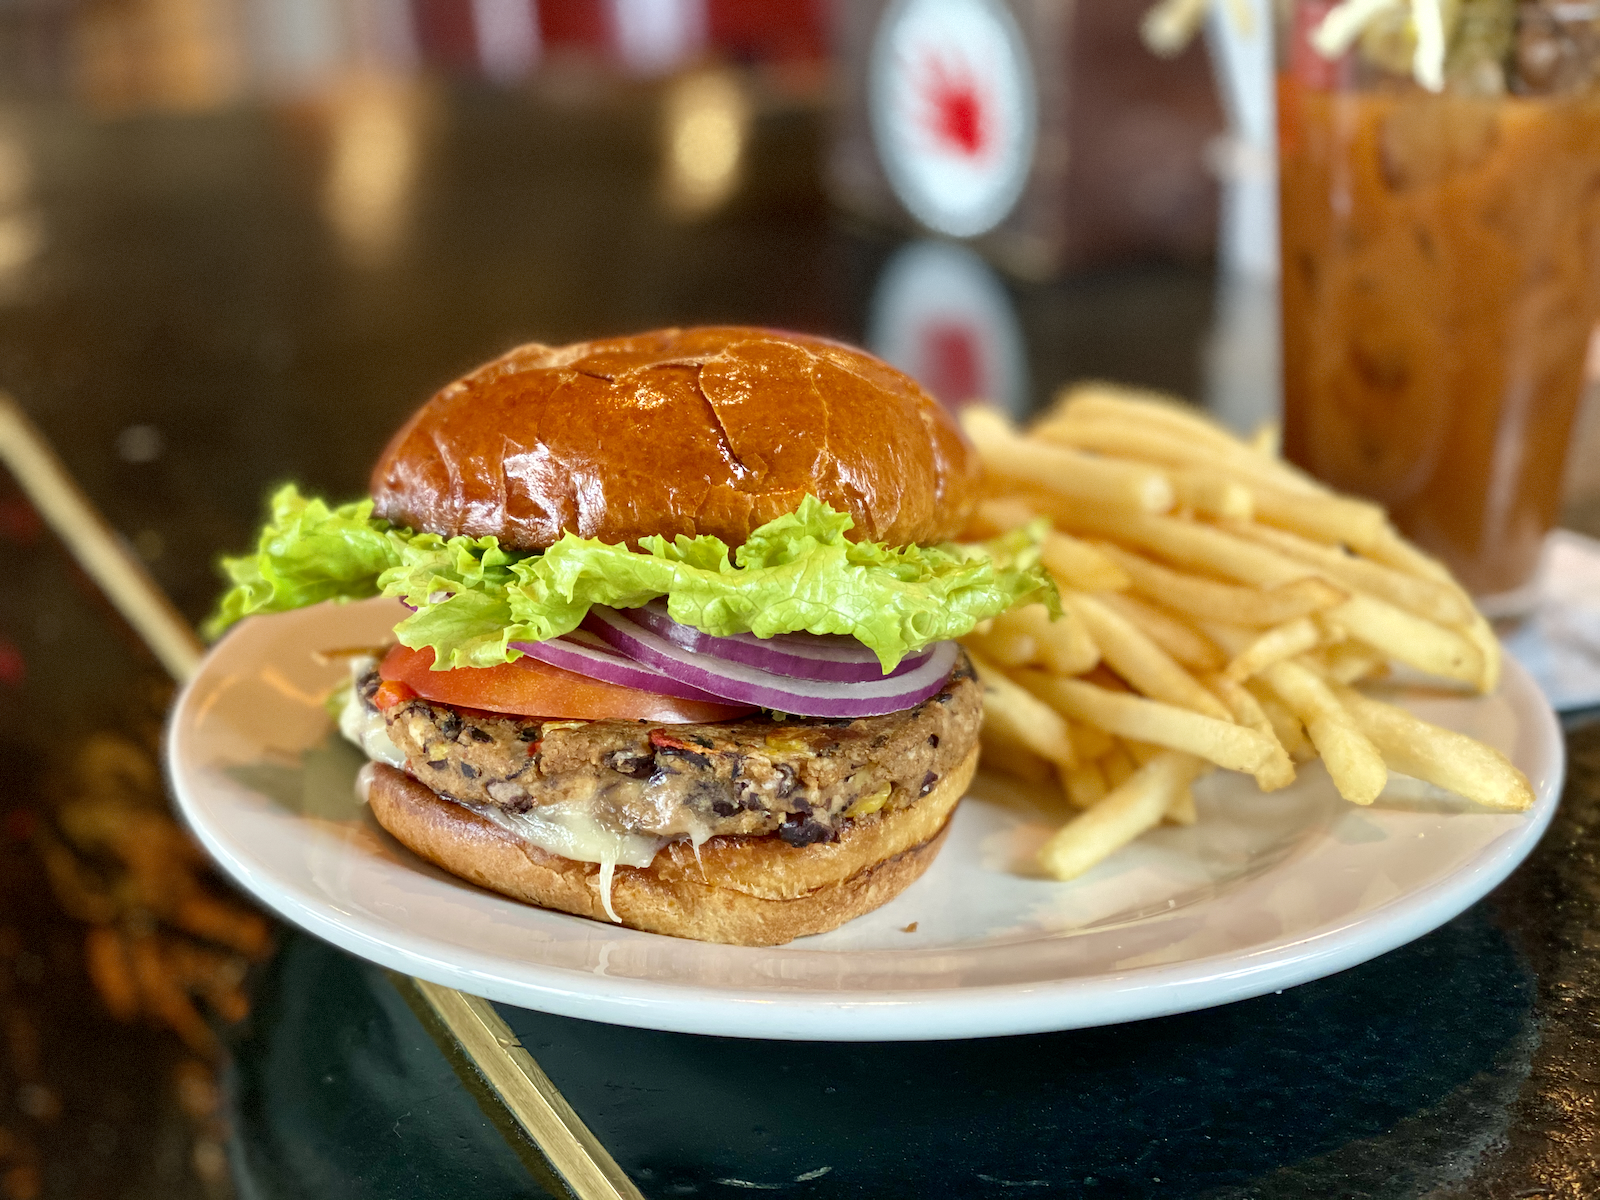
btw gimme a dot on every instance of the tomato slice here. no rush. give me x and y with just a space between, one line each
390 693
531 688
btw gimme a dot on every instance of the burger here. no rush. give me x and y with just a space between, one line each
676 645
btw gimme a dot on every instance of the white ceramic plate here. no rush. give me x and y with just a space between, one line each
1265 892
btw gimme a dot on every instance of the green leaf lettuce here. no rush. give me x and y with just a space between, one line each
798 573
308 552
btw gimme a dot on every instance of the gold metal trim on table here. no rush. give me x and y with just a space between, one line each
530 1096
477 1030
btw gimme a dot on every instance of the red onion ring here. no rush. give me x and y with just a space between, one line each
586 654
835 657
751 685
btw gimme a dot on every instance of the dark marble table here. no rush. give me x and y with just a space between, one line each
190 323
1465 1064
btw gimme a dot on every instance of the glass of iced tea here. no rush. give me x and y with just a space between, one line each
1440 193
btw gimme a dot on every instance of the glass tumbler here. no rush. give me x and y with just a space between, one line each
1441 264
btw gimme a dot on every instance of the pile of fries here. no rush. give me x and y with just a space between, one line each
1218 607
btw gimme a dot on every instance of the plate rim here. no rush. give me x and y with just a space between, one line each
923 1013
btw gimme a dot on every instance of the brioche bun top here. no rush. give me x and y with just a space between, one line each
692 431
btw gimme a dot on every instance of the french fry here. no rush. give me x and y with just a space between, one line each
1276 644
1117 766
1329 519
1347 662
1085 785
1181 808
1077 564
1001 752
1135 657
1104 677
1019 716
1241 702
1188 646
1401 635
1394 551
1214 615
1408 638
1128 811
1005 646
1267 440
1247 711
1234 639
1089 742
1119 402
1451 760
1357 769
1481 635
1096 405
1291 734
1186 543
1212 493
1063 645
1203 597
1426 597
1082 478
1222 742
999 515
1140 752
1172 451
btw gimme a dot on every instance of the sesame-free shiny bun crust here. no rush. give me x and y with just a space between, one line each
692 431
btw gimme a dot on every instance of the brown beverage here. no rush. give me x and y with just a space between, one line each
1441 275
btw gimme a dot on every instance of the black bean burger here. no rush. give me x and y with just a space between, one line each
676 645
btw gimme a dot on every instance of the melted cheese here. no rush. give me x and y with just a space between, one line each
568 829
364 726
572 832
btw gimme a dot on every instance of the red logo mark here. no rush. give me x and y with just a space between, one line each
952 362
955 111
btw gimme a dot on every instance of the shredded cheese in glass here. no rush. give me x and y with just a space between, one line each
1428 65
1169 26
1343 25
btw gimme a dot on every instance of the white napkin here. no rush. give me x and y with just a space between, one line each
1559 643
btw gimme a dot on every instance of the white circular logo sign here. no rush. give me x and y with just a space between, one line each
954 111
941 316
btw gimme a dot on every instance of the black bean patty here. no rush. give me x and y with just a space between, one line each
801 777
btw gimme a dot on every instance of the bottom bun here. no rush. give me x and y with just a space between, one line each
753 891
